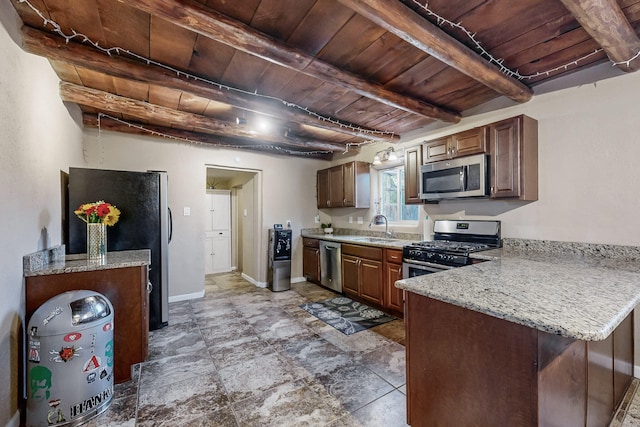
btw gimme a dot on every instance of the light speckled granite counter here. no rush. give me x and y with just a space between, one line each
360 237
53 261
581 291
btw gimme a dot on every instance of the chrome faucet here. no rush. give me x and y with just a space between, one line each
377 220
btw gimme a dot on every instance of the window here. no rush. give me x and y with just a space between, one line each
392 196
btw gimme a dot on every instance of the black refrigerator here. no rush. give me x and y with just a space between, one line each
145 223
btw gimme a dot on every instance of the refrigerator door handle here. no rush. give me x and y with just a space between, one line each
170 224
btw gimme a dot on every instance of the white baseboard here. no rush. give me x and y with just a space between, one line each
253 281
15 420
185 297
298 279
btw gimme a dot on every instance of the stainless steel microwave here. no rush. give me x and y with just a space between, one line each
455 178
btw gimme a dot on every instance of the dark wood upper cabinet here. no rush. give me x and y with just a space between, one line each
346 185
514 158
512 145
412 162
323 188
466 143
336 186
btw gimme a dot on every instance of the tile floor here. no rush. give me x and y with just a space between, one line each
245 356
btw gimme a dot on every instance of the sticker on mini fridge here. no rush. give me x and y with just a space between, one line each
55 416
65 354
72 337
92 364
34 351
40 383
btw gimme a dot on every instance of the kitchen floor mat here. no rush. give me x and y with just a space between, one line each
346 315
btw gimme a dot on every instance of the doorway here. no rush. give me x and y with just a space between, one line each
244 186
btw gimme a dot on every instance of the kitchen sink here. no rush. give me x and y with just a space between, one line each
373 239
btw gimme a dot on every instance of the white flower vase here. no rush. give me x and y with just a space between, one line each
96 241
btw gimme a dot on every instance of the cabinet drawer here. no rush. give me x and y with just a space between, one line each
394 256
362 251
311 243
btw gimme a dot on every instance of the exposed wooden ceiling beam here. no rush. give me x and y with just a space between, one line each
106 123
56 48
115 104
207 22
400 20
606 23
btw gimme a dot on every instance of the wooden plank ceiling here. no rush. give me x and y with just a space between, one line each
312 77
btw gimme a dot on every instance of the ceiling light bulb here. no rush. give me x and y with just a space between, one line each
376 160
392 155
264 125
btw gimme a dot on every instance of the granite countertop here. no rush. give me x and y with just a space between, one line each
53 261
574 290
368 239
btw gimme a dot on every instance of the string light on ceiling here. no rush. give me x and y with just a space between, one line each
192 142
499 61
84 39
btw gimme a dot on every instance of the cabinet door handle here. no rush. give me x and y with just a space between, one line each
149 286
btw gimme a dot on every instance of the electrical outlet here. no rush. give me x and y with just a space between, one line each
317 219
360 220
350 220
186 211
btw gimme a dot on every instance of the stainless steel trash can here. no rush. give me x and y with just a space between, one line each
70 359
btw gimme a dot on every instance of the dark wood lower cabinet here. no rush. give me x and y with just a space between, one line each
362 273
468 368
393 297
311 259
125 288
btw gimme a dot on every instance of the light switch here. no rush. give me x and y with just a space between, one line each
360 220
244 212
186 211
350 220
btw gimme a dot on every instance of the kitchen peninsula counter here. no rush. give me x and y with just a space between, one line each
539 334
575 296
122 278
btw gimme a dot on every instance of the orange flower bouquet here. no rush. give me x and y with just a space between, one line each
99 212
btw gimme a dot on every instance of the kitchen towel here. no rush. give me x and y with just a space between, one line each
346 315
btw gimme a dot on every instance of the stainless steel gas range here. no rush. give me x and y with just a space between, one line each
453 242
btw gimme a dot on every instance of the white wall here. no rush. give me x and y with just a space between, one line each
38 140
284 188
589 168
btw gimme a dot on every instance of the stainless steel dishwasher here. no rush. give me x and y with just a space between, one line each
330 267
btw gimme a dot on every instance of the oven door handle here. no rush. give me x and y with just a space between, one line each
423 264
